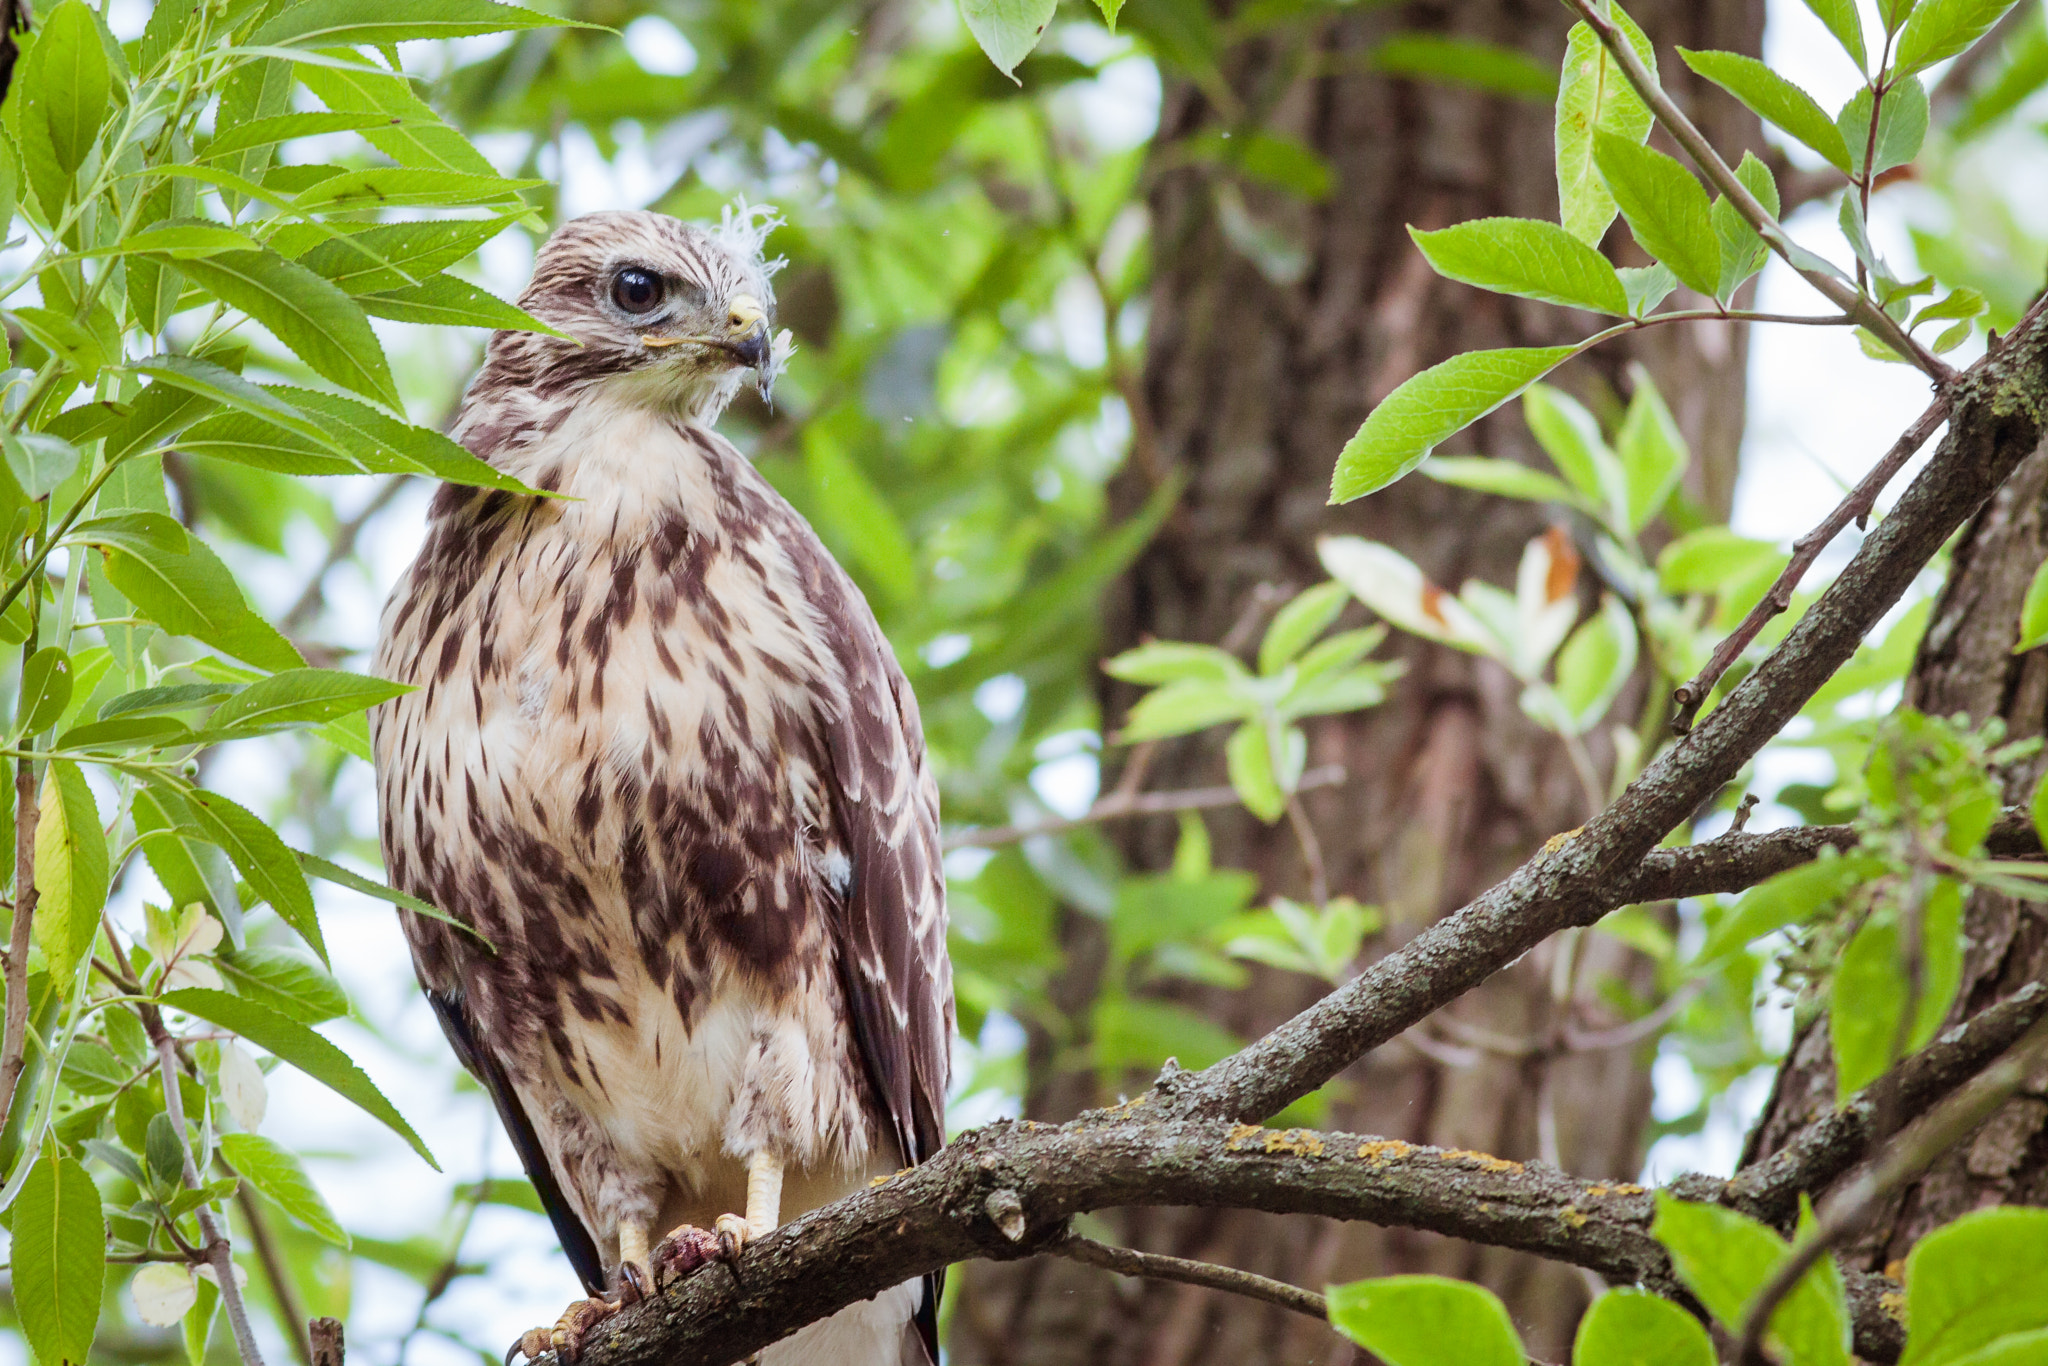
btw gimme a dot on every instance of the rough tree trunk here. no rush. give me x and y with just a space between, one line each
1966 665
1251 388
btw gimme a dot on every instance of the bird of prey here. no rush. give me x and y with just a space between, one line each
660 757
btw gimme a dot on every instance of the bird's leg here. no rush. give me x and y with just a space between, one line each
636 1272
689 1247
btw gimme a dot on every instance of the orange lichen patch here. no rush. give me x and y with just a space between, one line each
1300 1142
1558 841
1893 1302
1486 1162
1240 1135
1614 1190
1380 1151
1134 1102
1896 1268
1570 1215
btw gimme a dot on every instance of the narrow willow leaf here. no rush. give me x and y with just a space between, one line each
300 697
1652 450
1743 252
59 1259
191 593
1304 618
284 979
321 325
265 862
1773 99
1725 1258
345 23
1426 1321
1594 96
394 255
1528 257
284 127
417 138
39 461
274 1172
70 868
1939 29
1109 10
335 873
1846 25
1007 29
385 187
190 869
230 390
45 691
1432 406
300 1047
76 84
444 301
1666 208
1895 12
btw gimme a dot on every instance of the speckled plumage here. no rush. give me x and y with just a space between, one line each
660 755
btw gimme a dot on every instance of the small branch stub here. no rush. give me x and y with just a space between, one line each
1006 1211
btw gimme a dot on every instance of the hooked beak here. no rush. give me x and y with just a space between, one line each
747 330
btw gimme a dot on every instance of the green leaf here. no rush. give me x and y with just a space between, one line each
300 1047
1842 21
1182 708
230 390
1470 62
1743 252
1594 96
321 325
1432 406
1788 898
1172 661
345 23
1632 1327
384 187
2039 810
70 868
1528 257
395 255
1595 663
59 1258
444 301
1895 12
1939 29
335 873
1867 1000
374 443
299 697
283 128
415 135
277 1174
1666 207
45 691
2016 1349
1109 10
191 870
1974 1281
1263 779
1901 126
1725 1258
1426 1321
39 462
1570 436
1652 450
1773 99
75 83
1307 616
183 239
188 593
1483 474
284 979
1007 29
263 860
1714 560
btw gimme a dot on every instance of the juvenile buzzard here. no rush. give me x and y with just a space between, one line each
661 757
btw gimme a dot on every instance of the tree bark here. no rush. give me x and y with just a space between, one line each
1255 377
1965 666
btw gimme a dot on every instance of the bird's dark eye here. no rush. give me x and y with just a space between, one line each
636 290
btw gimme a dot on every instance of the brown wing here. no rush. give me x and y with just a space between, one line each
891 925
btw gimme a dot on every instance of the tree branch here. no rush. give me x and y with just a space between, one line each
1155 1266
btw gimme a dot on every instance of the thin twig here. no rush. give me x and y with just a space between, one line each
14 1042
1311 850
1831 287
214 1246
291 1310
1158 1267
1854 508
1118 807
1844 1212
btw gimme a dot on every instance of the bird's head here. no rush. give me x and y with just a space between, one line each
673 313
